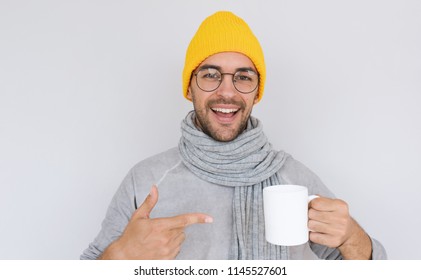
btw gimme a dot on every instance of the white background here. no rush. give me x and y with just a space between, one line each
89 88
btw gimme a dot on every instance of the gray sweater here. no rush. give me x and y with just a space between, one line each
180 191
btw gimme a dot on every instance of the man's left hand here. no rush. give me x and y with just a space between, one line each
331 225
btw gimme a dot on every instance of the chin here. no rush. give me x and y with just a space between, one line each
225 137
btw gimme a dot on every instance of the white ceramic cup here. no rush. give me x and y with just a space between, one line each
286 214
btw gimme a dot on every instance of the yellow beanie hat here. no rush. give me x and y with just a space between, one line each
223 32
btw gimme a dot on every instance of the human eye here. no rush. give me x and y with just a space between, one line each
245 76
210 73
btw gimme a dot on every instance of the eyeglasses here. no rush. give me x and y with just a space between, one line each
209 79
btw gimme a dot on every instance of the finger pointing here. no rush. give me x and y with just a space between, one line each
185 220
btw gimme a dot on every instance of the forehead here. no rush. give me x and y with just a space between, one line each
229 61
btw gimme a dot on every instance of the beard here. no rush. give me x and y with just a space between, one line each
221 132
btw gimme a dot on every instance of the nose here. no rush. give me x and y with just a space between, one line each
226 88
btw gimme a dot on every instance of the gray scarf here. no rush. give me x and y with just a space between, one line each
247 163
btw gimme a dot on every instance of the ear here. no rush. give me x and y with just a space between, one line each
189 96
256 99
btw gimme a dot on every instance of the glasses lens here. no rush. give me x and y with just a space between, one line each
246 81
208 79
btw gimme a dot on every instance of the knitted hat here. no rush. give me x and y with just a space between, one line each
223 32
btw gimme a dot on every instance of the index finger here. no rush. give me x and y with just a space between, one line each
188 219
326 204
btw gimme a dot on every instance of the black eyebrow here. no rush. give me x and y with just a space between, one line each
206 66
245 69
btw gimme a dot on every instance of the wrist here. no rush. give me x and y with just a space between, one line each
112 252
357 246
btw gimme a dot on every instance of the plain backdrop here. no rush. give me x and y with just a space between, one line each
89 88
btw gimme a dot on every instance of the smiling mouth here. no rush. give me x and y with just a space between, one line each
225 110
225 114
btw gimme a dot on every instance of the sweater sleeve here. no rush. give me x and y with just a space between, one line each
378 253
118 215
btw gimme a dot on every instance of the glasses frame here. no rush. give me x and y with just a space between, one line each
232 80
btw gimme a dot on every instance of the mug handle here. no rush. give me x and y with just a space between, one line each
311 197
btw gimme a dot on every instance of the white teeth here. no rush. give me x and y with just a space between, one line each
225 111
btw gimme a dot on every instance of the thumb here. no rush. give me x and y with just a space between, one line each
148 204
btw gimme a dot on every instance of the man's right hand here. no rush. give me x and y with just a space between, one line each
147 239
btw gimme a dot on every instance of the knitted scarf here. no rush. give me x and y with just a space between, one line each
247 163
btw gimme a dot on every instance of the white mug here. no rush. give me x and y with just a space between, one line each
286 214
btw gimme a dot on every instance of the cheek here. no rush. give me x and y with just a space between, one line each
197 101
252 101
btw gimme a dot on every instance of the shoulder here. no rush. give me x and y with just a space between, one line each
154 166
148 172
163 159
295 172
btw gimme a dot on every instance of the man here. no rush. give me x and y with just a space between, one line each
206 196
